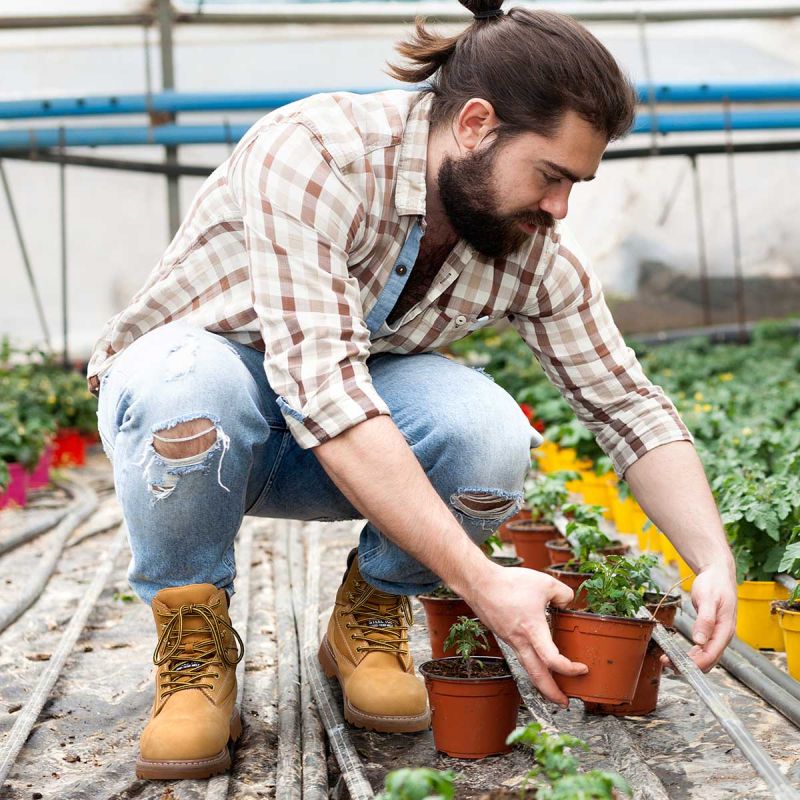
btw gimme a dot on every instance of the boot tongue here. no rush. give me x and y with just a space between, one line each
196 593
172 599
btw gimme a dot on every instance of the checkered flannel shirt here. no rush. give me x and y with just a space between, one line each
290 243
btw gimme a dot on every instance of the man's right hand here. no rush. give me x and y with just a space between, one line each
511 602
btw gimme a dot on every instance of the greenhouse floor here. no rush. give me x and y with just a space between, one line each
84 741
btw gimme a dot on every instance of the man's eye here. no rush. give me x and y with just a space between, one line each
551 178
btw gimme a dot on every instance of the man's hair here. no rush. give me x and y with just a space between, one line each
532 66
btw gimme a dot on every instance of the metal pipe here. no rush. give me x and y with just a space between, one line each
702 257
167 50
26 261
62 197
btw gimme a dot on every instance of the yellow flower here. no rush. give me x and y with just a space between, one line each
726 376
493 341
746 431
698 396
698 409
666 372
707 407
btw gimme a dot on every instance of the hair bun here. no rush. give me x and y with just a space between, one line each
484 9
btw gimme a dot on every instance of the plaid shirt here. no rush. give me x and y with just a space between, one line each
300 243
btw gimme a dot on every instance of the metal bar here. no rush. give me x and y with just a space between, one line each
164 12
25 257
702 256
174 102
62 197
726 717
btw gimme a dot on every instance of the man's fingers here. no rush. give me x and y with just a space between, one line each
703 627
561 595
541 677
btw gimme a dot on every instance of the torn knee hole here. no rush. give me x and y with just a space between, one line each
484 505
186 439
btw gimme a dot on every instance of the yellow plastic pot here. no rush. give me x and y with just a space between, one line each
789 622
755 624
595 490
685 571
652 539
668 551
546 456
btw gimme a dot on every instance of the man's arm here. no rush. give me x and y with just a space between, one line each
671 487
377 471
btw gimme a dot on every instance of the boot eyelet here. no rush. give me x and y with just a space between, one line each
358 649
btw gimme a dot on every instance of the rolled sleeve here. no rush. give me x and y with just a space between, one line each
570 330
300 221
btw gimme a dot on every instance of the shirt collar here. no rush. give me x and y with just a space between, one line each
409 195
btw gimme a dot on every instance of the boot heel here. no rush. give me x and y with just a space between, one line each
326 659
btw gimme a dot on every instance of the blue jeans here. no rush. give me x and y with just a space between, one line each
469 435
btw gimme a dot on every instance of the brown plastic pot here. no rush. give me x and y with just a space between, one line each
574 580
559 551
442 613
472 717
529 541
645 698
503 532
507 561
613 648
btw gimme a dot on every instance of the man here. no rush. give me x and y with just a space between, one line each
279 362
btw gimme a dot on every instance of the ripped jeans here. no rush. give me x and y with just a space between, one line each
469 435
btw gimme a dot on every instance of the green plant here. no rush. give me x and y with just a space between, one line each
555 775
465 637
420 783
491 544
585 540
580 512
546 494
611 590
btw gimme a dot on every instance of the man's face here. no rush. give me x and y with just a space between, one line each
498 194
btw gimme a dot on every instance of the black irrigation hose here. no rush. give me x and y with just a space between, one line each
38 697
624 751
85 505
218 786
288 778
330 712
36 528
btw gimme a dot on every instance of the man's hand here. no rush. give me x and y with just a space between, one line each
714 599
511 602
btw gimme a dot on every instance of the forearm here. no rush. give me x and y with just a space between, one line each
671 486
376 470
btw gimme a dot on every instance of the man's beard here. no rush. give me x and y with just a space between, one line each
466 189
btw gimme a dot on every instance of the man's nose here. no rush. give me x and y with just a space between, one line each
556 201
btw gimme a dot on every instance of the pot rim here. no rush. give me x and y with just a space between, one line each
476 679
669 601
553 568
420 597
529 526
515 561
607 617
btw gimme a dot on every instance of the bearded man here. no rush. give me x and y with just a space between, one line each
281 361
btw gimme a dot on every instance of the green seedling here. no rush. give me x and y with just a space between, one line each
611 591
585 540
465 637
546 494
491 544
421 783
587 515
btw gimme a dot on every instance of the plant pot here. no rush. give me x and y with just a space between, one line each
503 533
645 699
789 621
755 624
529 541
596 490
69 449
442 613
16 493
574 580
613 648
507 561
40 477
559 552
471 717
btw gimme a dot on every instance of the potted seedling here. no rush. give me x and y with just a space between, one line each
607 637
474 699
555 774
443 607
420 783
788 611
584 540
544 494
664 608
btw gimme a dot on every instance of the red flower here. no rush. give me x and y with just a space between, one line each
527 411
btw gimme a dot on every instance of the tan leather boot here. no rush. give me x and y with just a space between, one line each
194 713
366 648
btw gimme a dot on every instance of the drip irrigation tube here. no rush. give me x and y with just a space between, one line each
36 528
329 710
288 778
33 707
86 503
731 723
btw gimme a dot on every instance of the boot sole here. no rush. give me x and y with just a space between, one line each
192 768
371 722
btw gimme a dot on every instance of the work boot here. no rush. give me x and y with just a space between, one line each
194 713
366 648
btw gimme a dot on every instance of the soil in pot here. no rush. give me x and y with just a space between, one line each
645 699
442 612
566 573
529 542
559 551
471 717
613 648
507 561
522 515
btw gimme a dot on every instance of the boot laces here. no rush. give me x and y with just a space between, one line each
190 662
369 604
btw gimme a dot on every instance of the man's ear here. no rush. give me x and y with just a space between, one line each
474 123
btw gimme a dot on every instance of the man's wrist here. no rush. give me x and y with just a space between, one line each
469 572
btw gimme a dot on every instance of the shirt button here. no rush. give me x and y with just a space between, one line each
401 269
460 319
